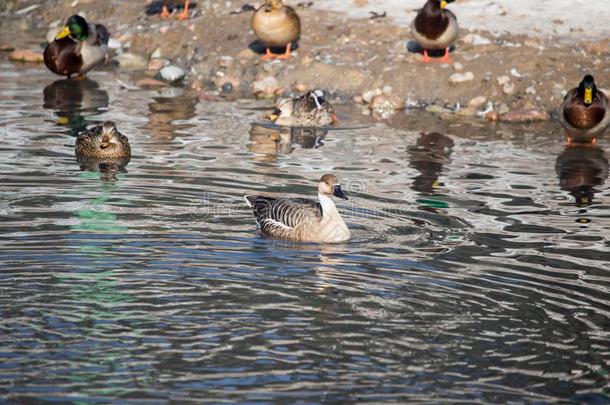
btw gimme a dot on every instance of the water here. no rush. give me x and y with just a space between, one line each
478 269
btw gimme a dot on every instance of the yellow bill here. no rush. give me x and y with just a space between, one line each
65 31
588 95
443 4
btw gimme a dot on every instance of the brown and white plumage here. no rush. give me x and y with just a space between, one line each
308 110
102 142
435 28
585 111
300 219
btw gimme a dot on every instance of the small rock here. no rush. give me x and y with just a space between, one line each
157 54
265 87
525 116
157 64
387 90
477 101
475 39
435 109
148 82
300 87
514 72
457 78
530 90
458 67
114 44
172 74
509 89
227 88
131 61
468 112
6 48
503 109
225 61
367 96
25 55
502 80
383 106
164 29
492 116
358 99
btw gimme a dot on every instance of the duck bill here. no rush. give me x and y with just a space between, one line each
588 95
337 192
65 31
443 4
273 116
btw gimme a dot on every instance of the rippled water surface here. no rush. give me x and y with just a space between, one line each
478 269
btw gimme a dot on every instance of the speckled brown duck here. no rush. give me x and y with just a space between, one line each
584 112
435 28
308 110
77 48
277 26
102 143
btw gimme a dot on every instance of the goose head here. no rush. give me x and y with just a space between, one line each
329 186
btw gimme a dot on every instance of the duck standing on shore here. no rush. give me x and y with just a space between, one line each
77 48
435 28
277 26
584 112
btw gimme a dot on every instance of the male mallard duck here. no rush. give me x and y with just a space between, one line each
77 48
300 219
307 110
276 25
103 142
435 28
584 111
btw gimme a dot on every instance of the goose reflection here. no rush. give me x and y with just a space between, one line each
73 100
428 155
270 142
580 169
172 105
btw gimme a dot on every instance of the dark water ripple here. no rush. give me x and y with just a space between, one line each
475 274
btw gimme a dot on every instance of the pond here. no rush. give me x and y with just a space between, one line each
478 271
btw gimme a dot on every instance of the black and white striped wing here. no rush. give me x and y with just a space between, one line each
278 216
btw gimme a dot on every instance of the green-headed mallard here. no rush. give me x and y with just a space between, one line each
307 110
276 25
435 28
584 111
77 48
102 142
303 220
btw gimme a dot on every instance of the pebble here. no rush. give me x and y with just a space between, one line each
131 61
468 112
475 39
530 90
436 109
386 101
503 109
6 48
164 29
477 101
458 67
172 74
509 89
25 55
157 64
225 61
114 44
461 77
502 80
157 54
387 90
265 87
514 72
148 82
525 116
492 116
300 87
367 96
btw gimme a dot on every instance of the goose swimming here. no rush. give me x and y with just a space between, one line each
301 219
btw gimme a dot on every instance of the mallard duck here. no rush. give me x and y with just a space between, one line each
435 28
103 142
300 219
307 110
277 26
77 48
584 112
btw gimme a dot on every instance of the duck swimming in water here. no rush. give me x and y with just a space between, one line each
584 112
303 220
77 48
308 110
435 28
102 142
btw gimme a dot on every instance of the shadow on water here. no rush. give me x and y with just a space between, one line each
174 104
580 169
429 154
268 143
75 102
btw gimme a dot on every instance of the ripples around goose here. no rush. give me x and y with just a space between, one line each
478 271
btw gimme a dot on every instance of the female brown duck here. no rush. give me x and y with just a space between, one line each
584 112
77 48
103 142
276 25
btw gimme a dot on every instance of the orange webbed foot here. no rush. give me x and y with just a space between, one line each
427 58
268 55
164 12
185 14
285 55
446 58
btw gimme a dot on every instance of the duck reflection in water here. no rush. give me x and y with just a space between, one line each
270 142
74 100
174 104
580 169
428 155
